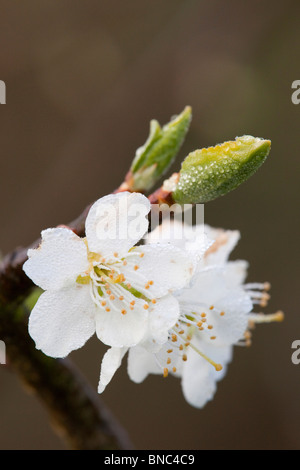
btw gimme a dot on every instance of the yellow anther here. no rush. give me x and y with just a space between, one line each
169 360
123 312
166 372
146 306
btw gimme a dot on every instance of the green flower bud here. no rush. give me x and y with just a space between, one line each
212 172
154 158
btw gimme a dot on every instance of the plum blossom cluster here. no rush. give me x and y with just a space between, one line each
175 304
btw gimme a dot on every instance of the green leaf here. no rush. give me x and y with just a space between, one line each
212 172
154 158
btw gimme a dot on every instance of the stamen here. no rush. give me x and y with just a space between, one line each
262 318
166 372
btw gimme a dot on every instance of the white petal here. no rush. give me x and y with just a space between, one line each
168 267
230 328
57 262
199 377
163 317
184 236
236 272
110 364
62 321
224 243
212 288
117 222
118 330
140 364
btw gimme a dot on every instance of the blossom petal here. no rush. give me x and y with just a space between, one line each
117 222
166 267
211 293
162 318
224 243
140 364
59 259
62 321
187 237
117 330
199 377
230 328
110 364
236 272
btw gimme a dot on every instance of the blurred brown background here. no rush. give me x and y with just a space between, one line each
83 80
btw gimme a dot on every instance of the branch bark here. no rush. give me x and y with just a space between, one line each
76 411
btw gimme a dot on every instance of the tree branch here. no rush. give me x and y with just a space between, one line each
76 411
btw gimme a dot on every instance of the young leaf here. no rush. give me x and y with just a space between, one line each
212 172
154 158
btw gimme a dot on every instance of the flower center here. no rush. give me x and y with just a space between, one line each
109 288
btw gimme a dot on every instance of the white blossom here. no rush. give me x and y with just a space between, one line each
103 283
215 311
